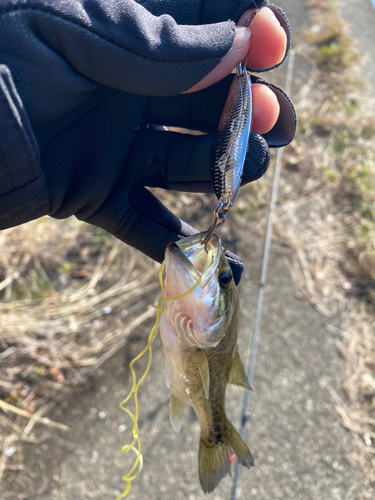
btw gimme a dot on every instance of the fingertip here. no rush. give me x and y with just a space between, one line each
269 40
266 108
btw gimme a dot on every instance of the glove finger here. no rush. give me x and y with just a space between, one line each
285 25
201 11
181 162
119 44
283 132
197 111
202 110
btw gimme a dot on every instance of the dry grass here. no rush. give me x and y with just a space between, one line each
328 34
71 295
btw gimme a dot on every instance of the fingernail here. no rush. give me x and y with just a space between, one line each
241 37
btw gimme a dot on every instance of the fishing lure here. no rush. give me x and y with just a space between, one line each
230 144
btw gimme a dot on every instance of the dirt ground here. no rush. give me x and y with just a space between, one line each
360 18
301 450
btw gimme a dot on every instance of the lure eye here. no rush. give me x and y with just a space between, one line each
225 278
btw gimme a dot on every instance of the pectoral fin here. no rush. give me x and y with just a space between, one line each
169 369
176 407
202 361
237 375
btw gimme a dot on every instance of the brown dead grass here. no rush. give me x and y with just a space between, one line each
71 295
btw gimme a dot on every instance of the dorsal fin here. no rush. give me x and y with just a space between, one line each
237 375
202 361
176 407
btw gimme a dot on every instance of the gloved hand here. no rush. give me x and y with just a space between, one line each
89 78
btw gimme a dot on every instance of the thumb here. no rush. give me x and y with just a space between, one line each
235 55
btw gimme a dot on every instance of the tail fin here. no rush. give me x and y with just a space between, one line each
215 459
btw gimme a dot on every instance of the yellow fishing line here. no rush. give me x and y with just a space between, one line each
135 445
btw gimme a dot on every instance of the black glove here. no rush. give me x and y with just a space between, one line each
76 138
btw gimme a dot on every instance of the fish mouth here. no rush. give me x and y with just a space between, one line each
189 257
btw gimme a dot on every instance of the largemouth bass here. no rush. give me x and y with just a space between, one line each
199 336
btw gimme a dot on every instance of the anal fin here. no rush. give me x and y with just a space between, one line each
237 375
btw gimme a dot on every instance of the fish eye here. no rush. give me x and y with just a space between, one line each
225 278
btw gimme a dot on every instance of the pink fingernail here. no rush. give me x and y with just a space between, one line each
241 37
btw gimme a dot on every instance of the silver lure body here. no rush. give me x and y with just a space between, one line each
231 140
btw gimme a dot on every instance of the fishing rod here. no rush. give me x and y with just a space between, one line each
245 413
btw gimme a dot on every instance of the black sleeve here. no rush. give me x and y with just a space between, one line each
23 190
